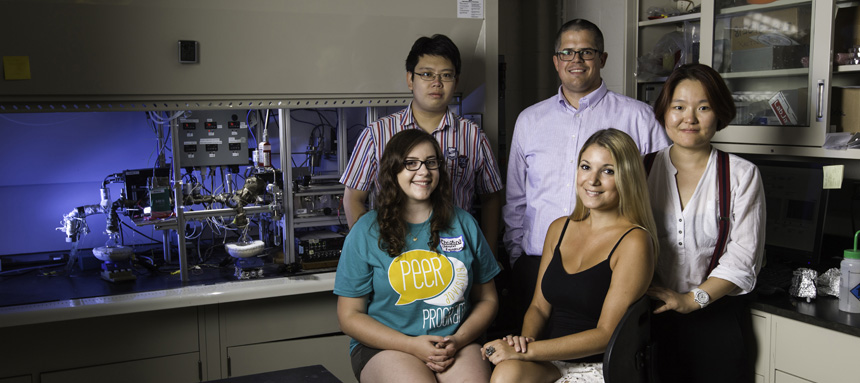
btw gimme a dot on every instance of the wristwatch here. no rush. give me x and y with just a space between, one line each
701 297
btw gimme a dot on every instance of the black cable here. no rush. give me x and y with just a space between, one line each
354 136
143 235
319 114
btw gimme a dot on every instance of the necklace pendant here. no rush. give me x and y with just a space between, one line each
414 239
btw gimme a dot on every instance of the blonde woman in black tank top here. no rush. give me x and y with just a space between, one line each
595 263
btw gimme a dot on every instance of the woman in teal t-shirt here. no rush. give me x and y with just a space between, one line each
415 279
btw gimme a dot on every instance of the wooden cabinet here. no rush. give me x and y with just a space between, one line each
793 351
783 51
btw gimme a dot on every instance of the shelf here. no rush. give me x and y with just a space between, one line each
138 103
802 151
762 7
319 190
653 80
768 73
670 20
847 68
327 220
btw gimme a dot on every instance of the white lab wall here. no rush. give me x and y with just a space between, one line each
610 16
128 49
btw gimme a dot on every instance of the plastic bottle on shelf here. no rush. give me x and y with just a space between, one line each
849 285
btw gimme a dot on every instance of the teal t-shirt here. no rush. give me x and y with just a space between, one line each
419 292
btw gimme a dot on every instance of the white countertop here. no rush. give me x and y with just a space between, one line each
165 299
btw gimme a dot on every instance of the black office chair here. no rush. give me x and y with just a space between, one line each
628 357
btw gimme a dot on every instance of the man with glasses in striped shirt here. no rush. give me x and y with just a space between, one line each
432 72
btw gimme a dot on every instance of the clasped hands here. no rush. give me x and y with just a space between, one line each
435 351
506 348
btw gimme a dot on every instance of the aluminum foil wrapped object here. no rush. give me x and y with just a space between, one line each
828 283
803 284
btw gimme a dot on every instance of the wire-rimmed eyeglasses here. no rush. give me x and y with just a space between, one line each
430 76
585 54
430 164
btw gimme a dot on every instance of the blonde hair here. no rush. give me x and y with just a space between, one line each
633 200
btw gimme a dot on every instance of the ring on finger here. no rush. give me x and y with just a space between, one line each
490 350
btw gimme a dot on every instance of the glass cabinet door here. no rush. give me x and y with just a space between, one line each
667 36
776 61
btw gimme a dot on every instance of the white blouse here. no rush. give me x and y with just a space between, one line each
688 236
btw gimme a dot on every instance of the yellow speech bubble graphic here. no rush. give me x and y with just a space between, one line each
419 274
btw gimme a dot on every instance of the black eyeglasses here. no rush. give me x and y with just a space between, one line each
585 54
430 76
413 165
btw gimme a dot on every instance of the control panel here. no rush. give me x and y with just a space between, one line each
319 249
214 138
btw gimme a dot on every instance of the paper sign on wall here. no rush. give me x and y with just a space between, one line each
833 176
470 9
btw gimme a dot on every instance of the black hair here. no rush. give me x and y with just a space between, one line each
437 45
580 25
719 95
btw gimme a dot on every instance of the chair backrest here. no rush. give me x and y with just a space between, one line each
628 356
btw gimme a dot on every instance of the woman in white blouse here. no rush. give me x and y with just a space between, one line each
702 326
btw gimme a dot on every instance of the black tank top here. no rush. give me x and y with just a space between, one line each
576 299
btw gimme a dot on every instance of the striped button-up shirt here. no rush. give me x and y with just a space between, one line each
548 136
468 156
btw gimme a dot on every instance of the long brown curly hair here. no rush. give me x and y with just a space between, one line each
391 199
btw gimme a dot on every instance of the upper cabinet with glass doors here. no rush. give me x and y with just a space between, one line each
775 59
788 64
668 34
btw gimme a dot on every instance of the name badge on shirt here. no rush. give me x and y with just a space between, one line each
452 245
452 153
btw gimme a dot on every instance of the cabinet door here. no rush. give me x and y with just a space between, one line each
98 341
176 368
846 69
761 329
666 37
775 58
813 353
330 351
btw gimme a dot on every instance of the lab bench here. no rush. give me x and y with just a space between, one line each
215 329
800 341
180 334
